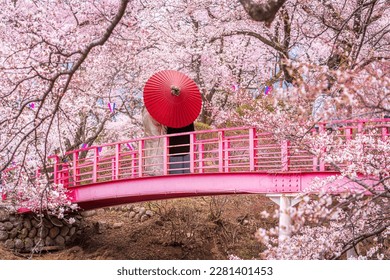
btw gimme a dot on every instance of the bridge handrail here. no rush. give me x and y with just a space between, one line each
210 131
216 150
225 150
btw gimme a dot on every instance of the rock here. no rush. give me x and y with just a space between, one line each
19 244
76 249
79 217
144 218
32 233
54 232
35 223
18 225
64 231
137 217
8 225
77 221
47 223
241 219
49 241
28 243
2 227
245 222
23 233
4 215
9 244
132 214
100 226
89 213
27 224
13 233
129 207
43 232
72 231
100 211
12 218
59 240
3 235
38 241
55 221
142 211
117 225
150 213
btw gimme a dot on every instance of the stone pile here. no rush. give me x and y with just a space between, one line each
139 214
135 212
27 232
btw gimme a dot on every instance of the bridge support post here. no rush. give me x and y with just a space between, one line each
285 201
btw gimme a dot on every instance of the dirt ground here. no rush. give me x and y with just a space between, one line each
191 228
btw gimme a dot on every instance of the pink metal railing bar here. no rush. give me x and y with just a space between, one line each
223 150
228 150
248 160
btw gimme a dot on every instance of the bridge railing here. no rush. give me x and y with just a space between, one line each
242 149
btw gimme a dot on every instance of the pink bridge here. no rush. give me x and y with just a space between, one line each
223 161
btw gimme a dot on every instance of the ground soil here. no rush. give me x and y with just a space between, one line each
191 228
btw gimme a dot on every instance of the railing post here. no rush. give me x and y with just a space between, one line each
385 133
201 162
226 154
221 140
141 165
315 164
65 175
38 173
113 168
321 163
76 170
133 165
360 127
165 155
95 165
252 149
117 161
55 169
192 152
285 155
315 159
348 134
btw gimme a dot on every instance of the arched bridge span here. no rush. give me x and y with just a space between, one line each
224 161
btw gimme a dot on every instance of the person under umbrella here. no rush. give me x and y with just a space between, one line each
174 100
179 148
153 147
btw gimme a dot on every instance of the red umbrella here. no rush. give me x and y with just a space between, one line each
172 98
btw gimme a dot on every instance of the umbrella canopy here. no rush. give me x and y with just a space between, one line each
172 98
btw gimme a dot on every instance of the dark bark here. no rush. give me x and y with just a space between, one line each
262 12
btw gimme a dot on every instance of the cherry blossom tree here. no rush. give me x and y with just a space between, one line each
51 87
343 57
73 74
